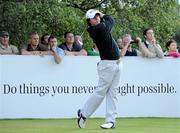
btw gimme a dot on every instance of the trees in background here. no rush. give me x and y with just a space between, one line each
20 17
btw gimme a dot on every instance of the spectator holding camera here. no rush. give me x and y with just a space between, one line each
172 49
150 48
126 46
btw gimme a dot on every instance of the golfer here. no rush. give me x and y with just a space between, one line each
99 29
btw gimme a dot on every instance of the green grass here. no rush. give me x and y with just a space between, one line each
124 125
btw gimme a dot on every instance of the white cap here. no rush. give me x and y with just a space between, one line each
91 13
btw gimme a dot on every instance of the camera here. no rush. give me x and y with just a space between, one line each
133 41
178 47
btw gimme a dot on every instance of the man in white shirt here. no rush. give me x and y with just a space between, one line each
150 48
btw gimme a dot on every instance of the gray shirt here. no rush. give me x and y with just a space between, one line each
11 49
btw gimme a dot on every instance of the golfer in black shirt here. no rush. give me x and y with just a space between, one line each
99 29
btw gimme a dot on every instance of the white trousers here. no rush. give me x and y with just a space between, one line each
109 76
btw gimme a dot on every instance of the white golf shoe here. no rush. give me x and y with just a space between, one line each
108 125
81 119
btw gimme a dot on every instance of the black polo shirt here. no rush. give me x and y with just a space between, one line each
39 47
131 53
101 35
75 47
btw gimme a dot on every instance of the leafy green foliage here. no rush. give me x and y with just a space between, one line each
20 17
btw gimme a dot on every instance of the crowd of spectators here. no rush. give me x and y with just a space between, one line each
73 46
148 48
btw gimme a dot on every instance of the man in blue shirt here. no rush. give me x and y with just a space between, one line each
58 53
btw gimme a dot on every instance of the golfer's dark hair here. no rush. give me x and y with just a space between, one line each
88 22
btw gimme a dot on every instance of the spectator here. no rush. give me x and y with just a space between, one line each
126 47
78 40
5 47
44 40
69 47
34 48
93 51
172 50
58 53
150 48
119 42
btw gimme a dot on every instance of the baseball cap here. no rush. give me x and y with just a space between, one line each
91 13
4 33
